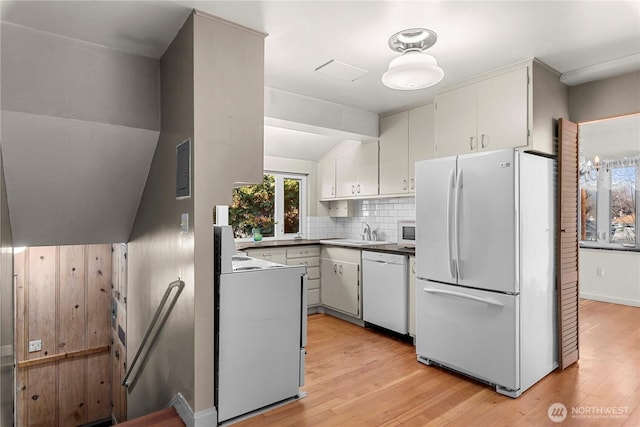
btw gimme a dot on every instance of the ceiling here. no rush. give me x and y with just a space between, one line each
474 37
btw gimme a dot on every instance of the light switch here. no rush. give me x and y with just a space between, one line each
35 345
184 223
599 271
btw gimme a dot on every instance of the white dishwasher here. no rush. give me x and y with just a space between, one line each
385 290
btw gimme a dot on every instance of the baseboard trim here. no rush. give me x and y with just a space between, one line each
206 418
613 300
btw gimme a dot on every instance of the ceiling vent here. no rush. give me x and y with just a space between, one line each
342 71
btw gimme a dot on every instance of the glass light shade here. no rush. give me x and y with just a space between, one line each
411 71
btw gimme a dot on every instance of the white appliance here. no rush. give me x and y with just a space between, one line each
260 330
407 234
486 303
385 290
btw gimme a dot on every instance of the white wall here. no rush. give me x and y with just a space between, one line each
303 167
381 214
610 276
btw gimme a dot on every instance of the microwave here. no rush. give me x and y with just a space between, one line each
407 234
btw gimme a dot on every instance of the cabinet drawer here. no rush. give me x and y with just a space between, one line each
273 255
313 273
313 284
309 262
313 297
303 251
341 254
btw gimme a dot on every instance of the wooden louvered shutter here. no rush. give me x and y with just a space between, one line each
567 271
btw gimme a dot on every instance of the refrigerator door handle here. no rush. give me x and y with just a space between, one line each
452 268
457 223
488 301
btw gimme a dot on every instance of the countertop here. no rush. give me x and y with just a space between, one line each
241 246
385 247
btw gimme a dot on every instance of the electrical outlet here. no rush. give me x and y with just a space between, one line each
35 345
599 271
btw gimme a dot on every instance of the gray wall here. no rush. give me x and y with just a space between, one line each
158 252
229 144
61 77
615 96
212 92
80 122
6 309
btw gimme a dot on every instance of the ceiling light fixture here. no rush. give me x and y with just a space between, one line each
414 69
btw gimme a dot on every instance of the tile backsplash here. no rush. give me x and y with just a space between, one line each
381 214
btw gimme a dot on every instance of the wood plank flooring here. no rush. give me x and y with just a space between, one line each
358 377
165 418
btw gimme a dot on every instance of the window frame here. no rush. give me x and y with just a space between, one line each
279 233
603 212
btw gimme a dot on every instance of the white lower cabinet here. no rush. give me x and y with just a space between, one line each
340 275
310 257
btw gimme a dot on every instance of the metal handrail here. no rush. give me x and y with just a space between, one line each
152 330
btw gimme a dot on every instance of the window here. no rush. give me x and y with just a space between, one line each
588 211
609 204
623 205
274 208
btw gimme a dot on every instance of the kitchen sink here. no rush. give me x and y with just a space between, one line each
354 242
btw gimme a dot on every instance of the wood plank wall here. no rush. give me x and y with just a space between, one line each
63 299
118 346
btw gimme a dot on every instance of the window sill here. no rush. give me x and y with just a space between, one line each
609 248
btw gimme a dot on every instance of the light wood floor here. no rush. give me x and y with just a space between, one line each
357 377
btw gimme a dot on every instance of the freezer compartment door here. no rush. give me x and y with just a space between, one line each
471 331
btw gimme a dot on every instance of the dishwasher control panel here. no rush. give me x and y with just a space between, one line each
384 257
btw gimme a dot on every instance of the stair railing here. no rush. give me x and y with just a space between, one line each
156 325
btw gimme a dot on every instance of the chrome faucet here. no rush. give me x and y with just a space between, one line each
367 231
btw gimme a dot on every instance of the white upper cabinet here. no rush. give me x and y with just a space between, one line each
486 115
456 121
502 111
515 107
327 176
394 153
421 139
405 138
357 169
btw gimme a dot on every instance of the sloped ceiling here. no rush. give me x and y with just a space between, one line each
72 181
79 125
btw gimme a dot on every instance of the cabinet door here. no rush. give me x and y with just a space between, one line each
502 111
327 177
412 296
340 208
329 283
366 169
421 140
349 288
345 169
394 153
455 120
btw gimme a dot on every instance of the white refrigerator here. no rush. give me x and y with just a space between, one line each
485 258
